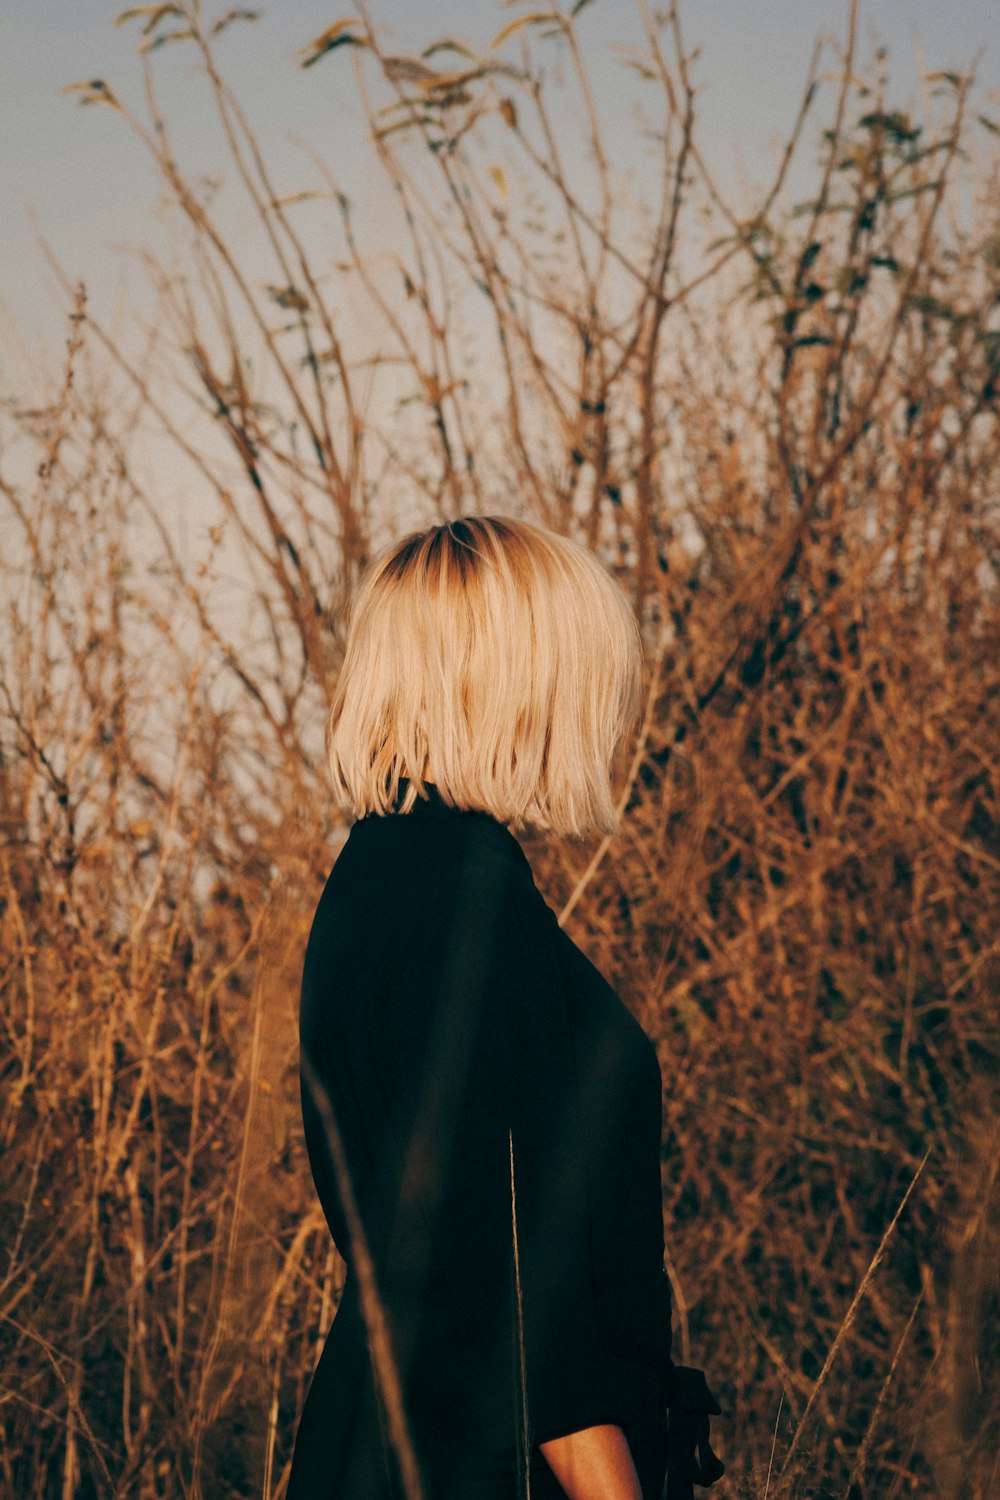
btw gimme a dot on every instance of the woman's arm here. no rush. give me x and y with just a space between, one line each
594 1464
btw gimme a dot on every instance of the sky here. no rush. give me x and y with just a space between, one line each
80 178
87 183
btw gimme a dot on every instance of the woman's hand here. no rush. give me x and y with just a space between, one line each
594 1464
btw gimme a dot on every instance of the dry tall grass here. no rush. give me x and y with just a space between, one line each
778 425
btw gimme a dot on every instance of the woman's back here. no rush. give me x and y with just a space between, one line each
448 1021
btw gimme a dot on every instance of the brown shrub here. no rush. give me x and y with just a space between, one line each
780 431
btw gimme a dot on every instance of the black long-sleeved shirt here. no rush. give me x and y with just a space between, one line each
443 1006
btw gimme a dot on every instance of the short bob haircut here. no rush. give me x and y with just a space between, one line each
496 659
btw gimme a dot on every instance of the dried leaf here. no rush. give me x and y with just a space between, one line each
237 13
408 123
444 81
412 70
532 18
288 298
95 91
165 36
150 13
323 357
449 44
337 34
286 198
955 80
633 58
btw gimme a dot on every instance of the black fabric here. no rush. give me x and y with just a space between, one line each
441 1004
690 1459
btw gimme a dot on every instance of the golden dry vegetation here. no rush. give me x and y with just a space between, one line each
777 425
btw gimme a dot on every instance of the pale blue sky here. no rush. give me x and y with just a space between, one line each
94 192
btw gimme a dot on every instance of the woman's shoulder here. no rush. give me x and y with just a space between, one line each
433 843
394 869
406 901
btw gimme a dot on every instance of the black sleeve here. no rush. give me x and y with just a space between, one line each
567 1374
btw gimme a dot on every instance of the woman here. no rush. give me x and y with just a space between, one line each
482 1113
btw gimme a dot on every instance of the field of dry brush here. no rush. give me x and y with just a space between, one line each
777 426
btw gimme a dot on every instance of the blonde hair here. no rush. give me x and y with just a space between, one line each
498 660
